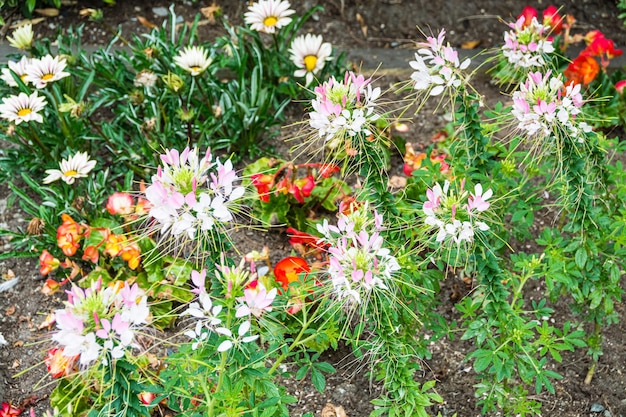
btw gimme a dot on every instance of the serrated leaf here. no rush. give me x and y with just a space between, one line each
318 379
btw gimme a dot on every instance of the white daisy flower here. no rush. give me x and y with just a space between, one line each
46 70
268 15
78 166
22 108
309 53
193 59
22 37
19 68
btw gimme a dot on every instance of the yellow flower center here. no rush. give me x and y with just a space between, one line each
195 68
270 21
309 62
70 173
46 77
24 112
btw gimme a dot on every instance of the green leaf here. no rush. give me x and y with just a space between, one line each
581 257
318 379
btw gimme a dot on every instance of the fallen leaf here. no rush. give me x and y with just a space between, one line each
16 364
9 275
470 44
145 22
439 136
331 410
210 12
48 322
19 343
48 12
10 310
361 21
397 181
33 22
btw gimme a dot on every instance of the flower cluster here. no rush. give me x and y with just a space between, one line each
36 71
584 68
286 181
455 215
309 53
268 15
209 314
69 235
528 41
358 262
437 66
544 106
344 109
413 160
191 194
100 320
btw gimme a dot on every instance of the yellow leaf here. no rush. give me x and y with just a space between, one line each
145 22
33 22
49 12
470 44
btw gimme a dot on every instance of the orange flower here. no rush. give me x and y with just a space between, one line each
289 269
327 170
582 70
68 235
599 45
131 254
47 263
349 204
91 254
114 245
263 183
58 364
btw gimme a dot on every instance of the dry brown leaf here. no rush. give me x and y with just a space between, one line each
331 410
361 21
470 44
48 12
48 322
210 12
145 22
19 343
9 275
16 364
10 310
33 22
397 182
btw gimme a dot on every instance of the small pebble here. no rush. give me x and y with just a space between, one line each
160 11
596 408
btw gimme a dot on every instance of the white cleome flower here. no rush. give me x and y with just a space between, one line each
309 53
18 68
193 59
22 108
268 15
77 166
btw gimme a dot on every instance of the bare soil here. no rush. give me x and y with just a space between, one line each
348 24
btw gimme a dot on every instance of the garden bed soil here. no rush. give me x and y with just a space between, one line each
348 24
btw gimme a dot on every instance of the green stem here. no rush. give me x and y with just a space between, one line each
111 148
597 336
